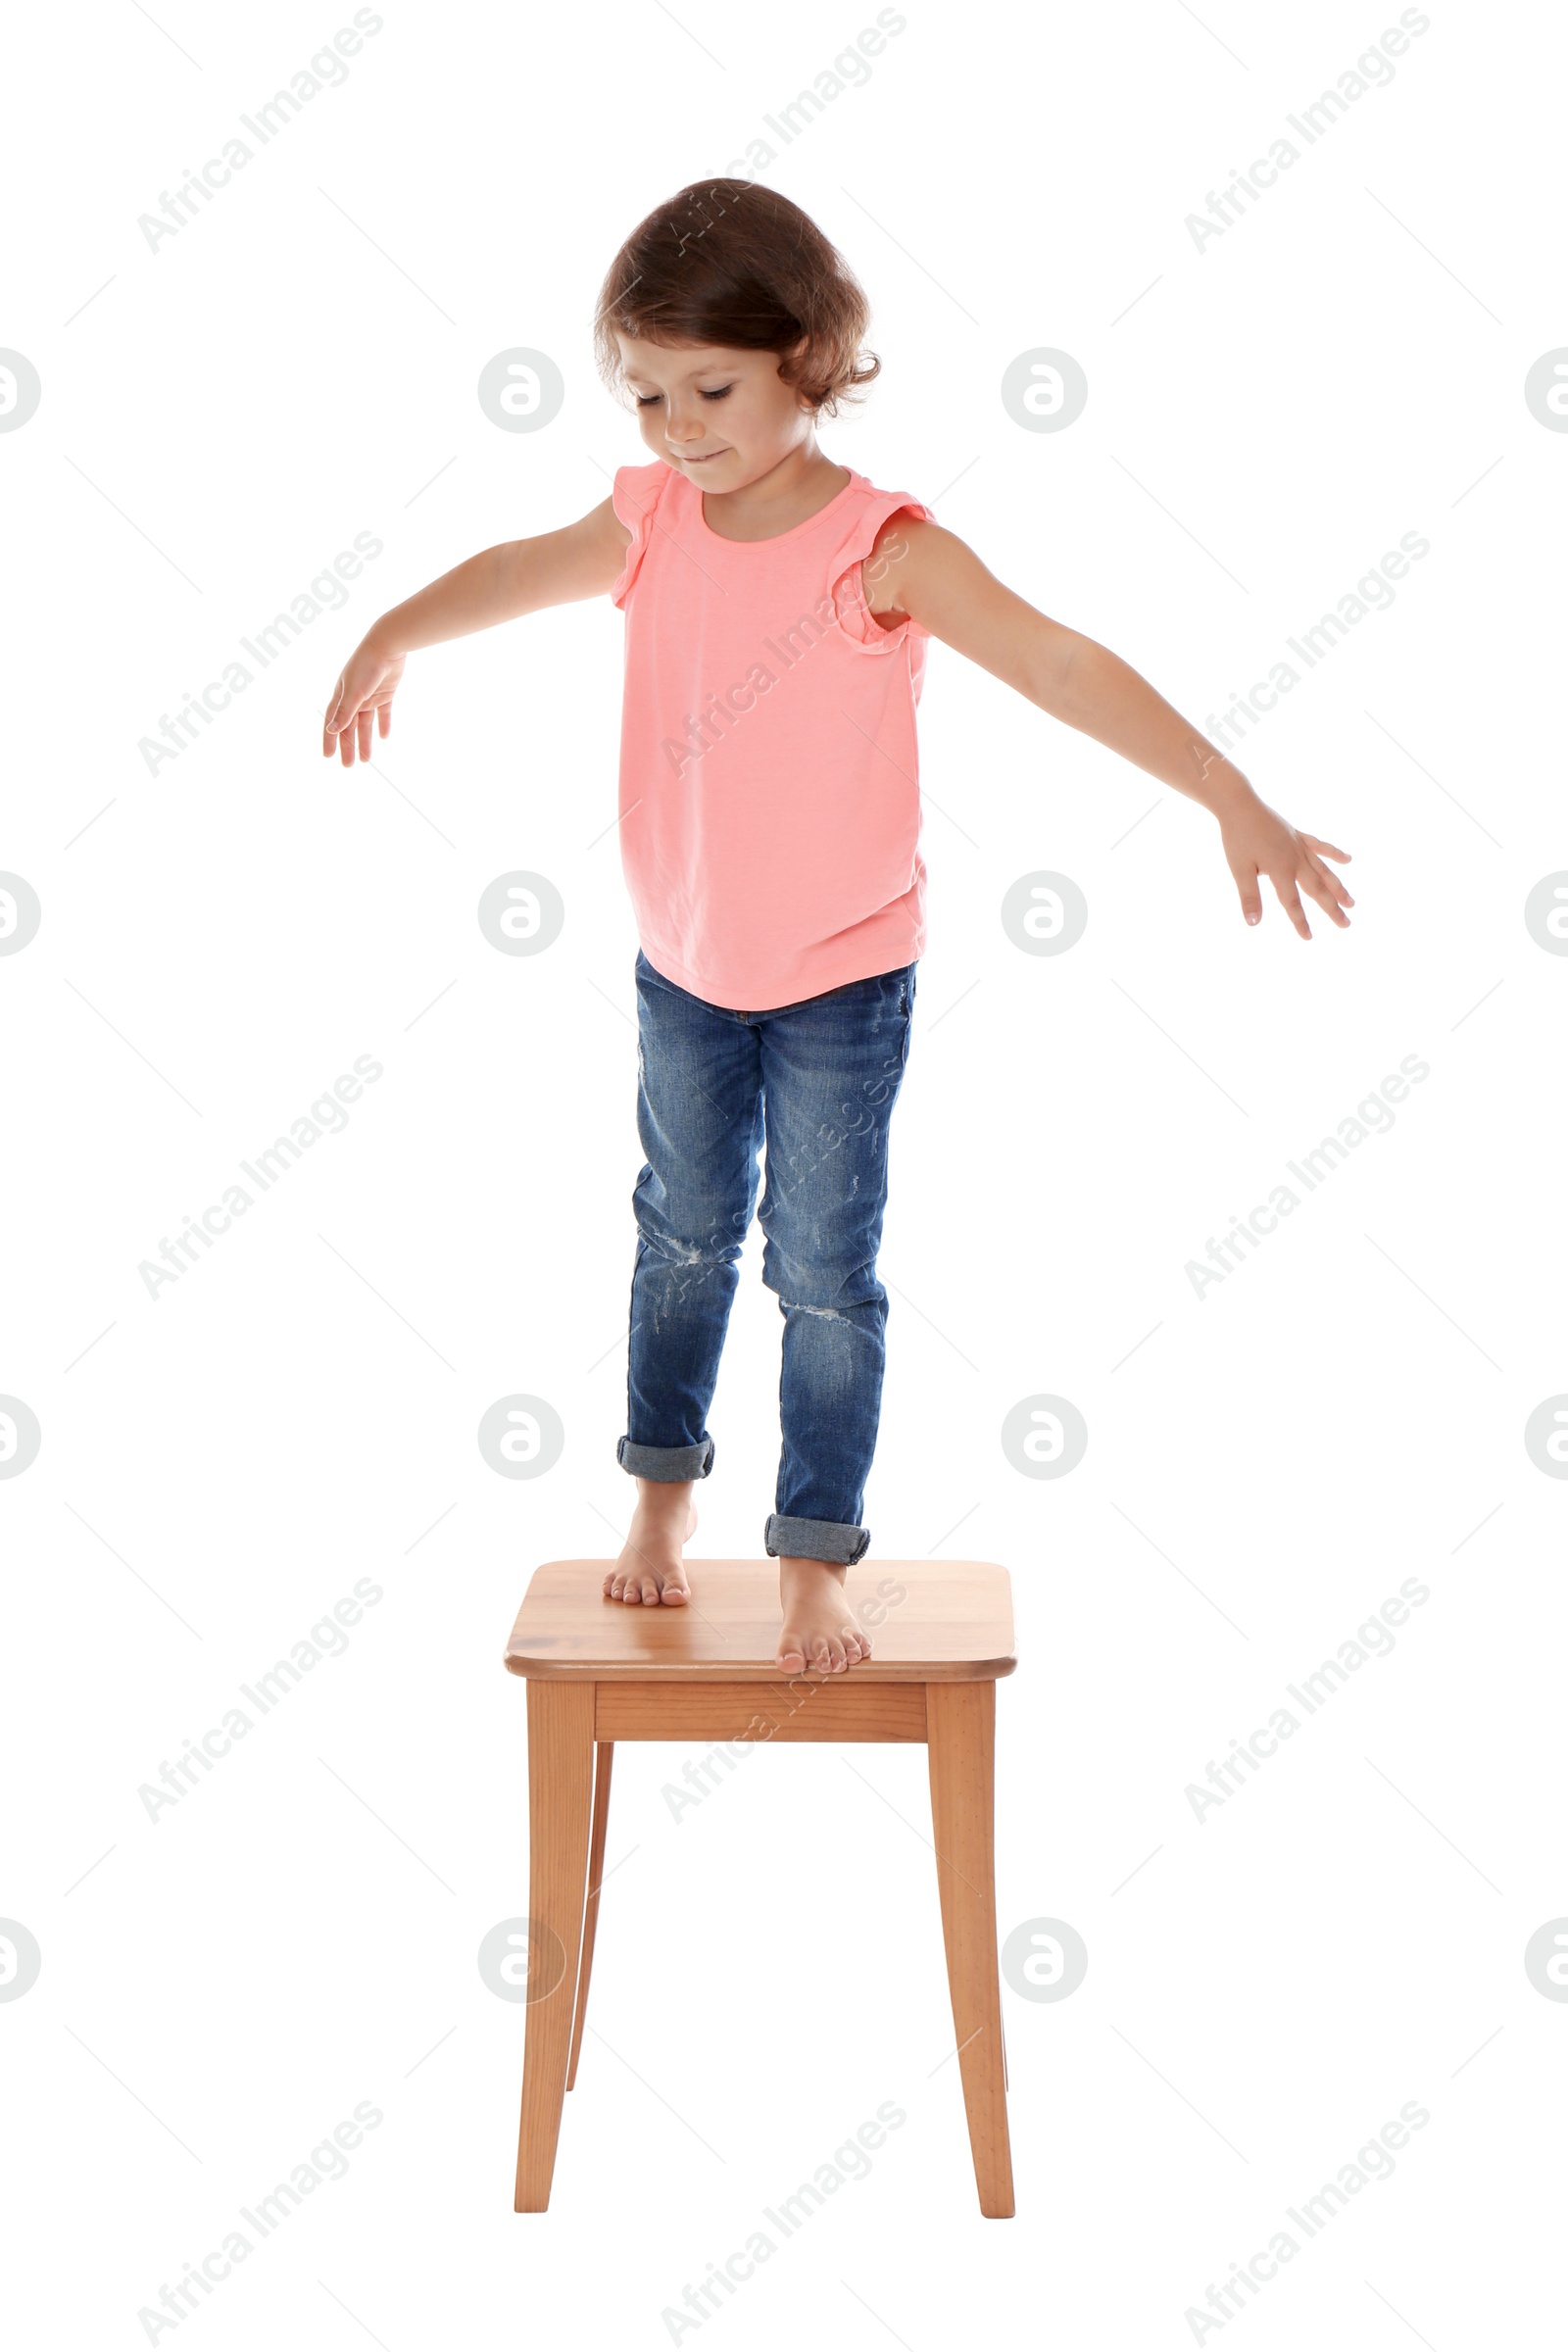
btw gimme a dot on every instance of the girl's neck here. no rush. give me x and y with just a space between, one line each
803 482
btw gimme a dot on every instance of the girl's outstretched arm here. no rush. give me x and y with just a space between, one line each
922 571
524 575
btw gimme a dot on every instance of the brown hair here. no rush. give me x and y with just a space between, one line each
731 262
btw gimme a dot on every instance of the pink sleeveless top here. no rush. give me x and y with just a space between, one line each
770 795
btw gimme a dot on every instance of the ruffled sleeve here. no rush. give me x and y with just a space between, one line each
635 497
856 618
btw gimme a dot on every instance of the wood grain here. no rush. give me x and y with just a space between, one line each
559 1801
961 1757
604 1759
823 1708
929 1620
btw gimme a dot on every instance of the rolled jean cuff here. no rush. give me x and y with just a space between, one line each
830 1539
665 1463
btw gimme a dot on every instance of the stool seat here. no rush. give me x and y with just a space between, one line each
929 1621
599 1672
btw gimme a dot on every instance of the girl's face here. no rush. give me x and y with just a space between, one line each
724 417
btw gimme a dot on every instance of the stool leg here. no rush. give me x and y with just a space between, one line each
604 1757
561 1724
961 1732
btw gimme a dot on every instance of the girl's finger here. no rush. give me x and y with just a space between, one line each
1327 895
1326 849
345 746
384 715
1332 881
1289 900
365 723
1245 880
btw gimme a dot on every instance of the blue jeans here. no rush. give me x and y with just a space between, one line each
816 1082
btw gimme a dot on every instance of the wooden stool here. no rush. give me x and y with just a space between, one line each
599 1672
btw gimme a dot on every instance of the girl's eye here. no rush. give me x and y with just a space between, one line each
649 400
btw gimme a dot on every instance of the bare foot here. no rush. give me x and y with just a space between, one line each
650 1568
819 1632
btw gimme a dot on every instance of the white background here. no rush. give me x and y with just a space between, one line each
1265 1465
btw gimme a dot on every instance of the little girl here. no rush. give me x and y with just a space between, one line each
777 611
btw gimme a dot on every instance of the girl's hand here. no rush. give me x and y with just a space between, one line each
1258 840
363 698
